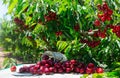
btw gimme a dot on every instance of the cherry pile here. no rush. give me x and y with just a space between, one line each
47 66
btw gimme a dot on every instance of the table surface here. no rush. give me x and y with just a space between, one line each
6 73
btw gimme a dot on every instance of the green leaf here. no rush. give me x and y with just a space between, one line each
4 1
58 43
68 48
118 43
61 45
8 62
28 20
39 28
26 41
12 5
8 40
40 43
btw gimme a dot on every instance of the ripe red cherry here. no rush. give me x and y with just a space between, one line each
13 68
81 65
109 18
58 33
68 70
22 70
50 16
46 70
51 69
118 34
38 63
99 7
82 70
97 23
105 6
67 64
95 34
89 70
42 68
45 57
91 65
43 62
31 70
102 34
99 70
73 61
47 65
55 70
39 72
103 19
36 66
100 15
110 12
60 70
76 69
76 27
18 21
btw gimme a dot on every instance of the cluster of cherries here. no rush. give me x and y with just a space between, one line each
115 29
50 16
107 12
21 23
48 66
58 33
76 27
23 26
101 34
103 15
91 43
18 21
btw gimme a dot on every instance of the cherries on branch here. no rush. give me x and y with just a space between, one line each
105 12
50 16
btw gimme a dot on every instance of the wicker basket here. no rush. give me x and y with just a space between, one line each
57 56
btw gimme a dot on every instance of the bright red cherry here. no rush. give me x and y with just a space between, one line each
76 27
105 6
91 65
103 19
13 68
99 70
97 22
89 70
